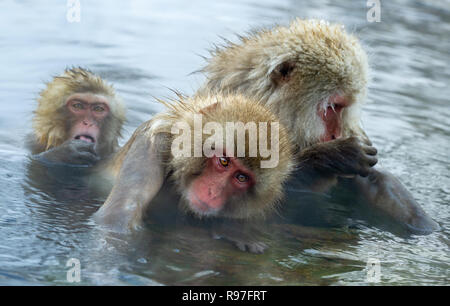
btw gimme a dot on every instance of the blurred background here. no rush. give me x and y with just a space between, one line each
146 48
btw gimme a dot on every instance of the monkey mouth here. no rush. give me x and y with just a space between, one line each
200 207
330 111
85 137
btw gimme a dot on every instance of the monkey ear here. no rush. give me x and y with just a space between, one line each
282 73
209 108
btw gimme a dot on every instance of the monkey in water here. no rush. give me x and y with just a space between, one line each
78 120
313 76
236 174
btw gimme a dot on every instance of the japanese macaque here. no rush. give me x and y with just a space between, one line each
233 169
313 76
78 120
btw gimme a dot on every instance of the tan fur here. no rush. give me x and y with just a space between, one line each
49 122
264 195
326 60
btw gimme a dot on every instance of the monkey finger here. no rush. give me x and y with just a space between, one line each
257 247
351 139
240 245
371 160
370 150
366 141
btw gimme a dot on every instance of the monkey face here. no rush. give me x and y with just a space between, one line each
330 112
87 113
317 107
78 105
231 187
221 179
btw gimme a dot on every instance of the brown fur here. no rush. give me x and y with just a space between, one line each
323 60
50 122
264 195
295 69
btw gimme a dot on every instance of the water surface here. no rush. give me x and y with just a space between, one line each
147 47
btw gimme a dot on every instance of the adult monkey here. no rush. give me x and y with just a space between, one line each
313 76
78 120
214 186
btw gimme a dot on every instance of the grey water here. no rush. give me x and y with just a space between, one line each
147 48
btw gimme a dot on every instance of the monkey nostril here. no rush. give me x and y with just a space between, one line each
88 123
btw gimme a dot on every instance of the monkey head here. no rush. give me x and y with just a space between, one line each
224 182
312 74
79 105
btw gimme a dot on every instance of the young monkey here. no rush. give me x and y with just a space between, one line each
230 165
78 120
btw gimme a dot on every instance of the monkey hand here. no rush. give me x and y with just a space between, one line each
355 156
71 152
243 239
124 217
342 157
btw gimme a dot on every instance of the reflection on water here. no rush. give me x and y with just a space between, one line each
145 48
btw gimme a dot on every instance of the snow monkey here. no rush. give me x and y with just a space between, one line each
313 76
78 120
233 169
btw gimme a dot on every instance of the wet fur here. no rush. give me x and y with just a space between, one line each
51 120
324 58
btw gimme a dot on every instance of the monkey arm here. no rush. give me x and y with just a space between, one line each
140 177
351 160
320 164
384 193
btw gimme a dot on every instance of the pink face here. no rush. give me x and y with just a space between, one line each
222 178
330 112
88 111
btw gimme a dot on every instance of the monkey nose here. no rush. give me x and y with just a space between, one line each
88 122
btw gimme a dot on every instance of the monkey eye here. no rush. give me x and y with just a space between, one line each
78 105
242 178
224 161
98 108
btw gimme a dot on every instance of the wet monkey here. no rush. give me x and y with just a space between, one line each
78 120
219 184
313 76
